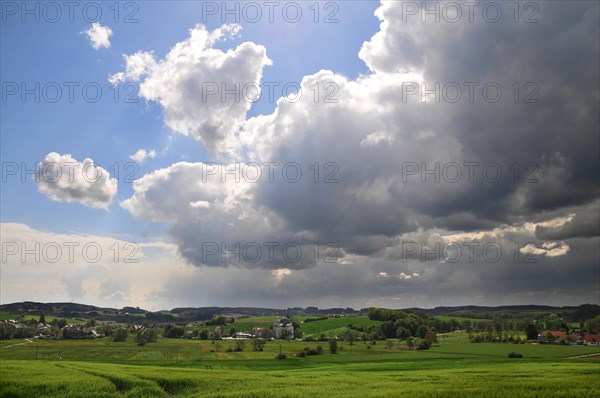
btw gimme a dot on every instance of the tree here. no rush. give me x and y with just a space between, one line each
120 335
389 344
42 319
6 331
258 344
467 326
402 333
203 335
531 332
146 336
141 338
388 329
431 337
593 325
240 344
61 323
348 335
422 331
151 335
333 347
411 343
219 320
173 332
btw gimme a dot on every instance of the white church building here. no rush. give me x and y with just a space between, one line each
280 326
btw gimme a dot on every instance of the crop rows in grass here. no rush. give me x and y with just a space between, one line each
173 350
435 378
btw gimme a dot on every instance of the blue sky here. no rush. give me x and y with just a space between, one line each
110 130
365 220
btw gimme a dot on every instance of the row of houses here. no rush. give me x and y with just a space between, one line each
557 337
281 329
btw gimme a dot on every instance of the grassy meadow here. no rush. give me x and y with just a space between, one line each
194 368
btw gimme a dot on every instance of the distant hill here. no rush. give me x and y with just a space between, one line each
187 314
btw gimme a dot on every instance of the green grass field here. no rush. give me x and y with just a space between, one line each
49 318
332 325
192 368
329 327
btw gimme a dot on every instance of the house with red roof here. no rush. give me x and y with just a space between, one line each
558 337
592 339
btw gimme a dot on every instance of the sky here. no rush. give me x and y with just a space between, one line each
291 154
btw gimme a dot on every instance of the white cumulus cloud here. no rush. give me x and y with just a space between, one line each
142 154
189 84
99 35
64 179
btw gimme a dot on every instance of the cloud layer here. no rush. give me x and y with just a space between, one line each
118 272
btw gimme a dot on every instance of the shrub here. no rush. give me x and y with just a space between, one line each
515 355
280 356
423 345
300 354
319 349
311 351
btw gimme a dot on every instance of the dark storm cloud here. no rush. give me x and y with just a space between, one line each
585 225
544 149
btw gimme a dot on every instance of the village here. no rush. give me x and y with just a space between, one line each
281 328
